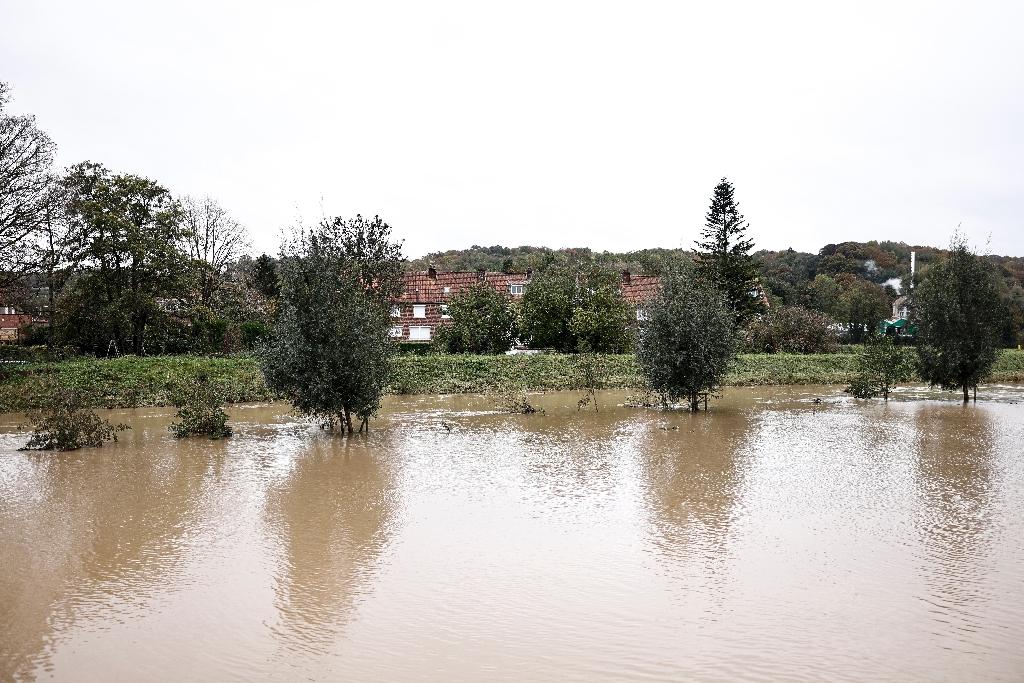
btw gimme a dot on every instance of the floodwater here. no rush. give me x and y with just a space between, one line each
773 538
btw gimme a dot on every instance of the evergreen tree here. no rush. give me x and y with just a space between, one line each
723 253
960 319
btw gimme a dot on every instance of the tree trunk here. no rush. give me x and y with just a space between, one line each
966 395
348 420
694 403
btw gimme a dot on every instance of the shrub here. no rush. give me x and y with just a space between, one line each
881 365
66 424
200 410
790 329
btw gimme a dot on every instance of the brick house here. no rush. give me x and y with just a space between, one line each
422 308
12 323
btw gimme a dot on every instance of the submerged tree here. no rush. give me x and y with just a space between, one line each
686 339
723 253
881 366
960 314
331 347
66 422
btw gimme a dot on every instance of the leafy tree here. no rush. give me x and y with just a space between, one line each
26 156
262 275
127 232
331 349
791 329
723 253
862 306
576 309
823 294
483 321
960 315
686 339
881 366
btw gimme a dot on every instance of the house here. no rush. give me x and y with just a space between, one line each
12 323
902 307
423 305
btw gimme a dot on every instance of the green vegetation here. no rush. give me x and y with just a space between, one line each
687 339
200 410
482 321
66 423
881 366
131 382
330 350
960 318
790 329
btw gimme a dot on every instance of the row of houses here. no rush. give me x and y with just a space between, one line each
423 306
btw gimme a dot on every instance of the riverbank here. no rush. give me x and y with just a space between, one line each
131 381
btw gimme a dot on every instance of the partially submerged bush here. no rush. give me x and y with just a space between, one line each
790 329
199 409
67 424
881 365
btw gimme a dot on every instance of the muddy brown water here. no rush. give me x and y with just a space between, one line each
773 538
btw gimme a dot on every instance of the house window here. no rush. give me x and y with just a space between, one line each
419 311
447 290
419 333
396 331
516 290
444 312
396 311
641 314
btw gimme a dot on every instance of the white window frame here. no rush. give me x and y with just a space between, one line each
517 289
447 290
419 333
396 311
419 311
397 331
445 315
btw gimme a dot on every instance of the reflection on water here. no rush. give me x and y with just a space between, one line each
776 537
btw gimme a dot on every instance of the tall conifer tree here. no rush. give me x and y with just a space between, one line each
723 253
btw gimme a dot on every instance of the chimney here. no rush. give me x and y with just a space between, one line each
913 258
626 277
432 273
481 274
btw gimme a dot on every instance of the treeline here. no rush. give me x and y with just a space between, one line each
853 283
111 262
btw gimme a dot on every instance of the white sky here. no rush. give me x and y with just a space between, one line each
556 124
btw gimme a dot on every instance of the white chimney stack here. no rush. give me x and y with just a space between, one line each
913 258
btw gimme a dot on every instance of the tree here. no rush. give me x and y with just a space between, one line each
26 155
213 238
862 306
723 253
960 315
686 339
262 274
791 329
881 366
126 230
482 321
576 308
331 348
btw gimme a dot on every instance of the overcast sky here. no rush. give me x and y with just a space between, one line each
555 124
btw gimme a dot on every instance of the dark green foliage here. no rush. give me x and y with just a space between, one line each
686 340
573 309
199 403
263 276
960 318
253 332
482 321
723 253
790 329
331 349
862 305
67 424
881 366
126 230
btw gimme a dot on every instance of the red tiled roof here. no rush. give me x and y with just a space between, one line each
13 321
640 288
420 287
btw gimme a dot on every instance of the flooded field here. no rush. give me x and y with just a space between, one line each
774 537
